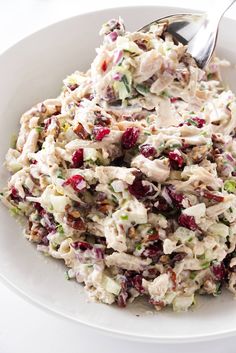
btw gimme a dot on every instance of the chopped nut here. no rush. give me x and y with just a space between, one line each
75 213
198 153
80 131
164 259
132 232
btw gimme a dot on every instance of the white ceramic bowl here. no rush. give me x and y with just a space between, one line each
31 71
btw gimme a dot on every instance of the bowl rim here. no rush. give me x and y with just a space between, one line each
56 312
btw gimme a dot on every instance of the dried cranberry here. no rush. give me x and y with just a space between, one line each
152 237
199 122
77 182
122 299
137 283
81 245
176 160
153 251
73 86
39 208
130 137
78 158
153 273
47 122
158 303
185 146
15 194
195 121
141 44
161 204
104 66
176 198
176 257
187 222
148 150
139 190
173 99
219 271
100 132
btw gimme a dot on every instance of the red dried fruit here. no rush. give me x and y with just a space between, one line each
15 195
104 66
187 222
152 251
122 299
152 237
176 160
100 132
158 303
176 257
47 122
148 150
139 190
81 245
141 44
210 196
219 271
73 86
199 122
161 204
177 199
78 158
194 121
77 182
130 137
39 208
173 99
137 283
185 146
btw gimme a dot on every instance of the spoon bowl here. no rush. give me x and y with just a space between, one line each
197 31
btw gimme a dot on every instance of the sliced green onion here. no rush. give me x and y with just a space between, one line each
39 129
142 89
126 83
205 265
124 217
230 186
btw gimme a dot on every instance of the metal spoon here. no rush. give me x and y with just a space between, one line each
197 31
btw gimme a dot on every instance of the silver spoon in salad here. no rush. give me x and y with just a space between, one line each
197 31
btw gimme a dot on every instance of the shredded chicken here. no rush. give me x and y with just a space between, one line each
129 176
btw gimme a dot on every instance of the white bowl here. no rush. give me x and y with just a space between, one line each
31 71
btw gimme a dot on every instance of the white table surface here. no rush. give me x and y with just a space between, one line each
23 327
